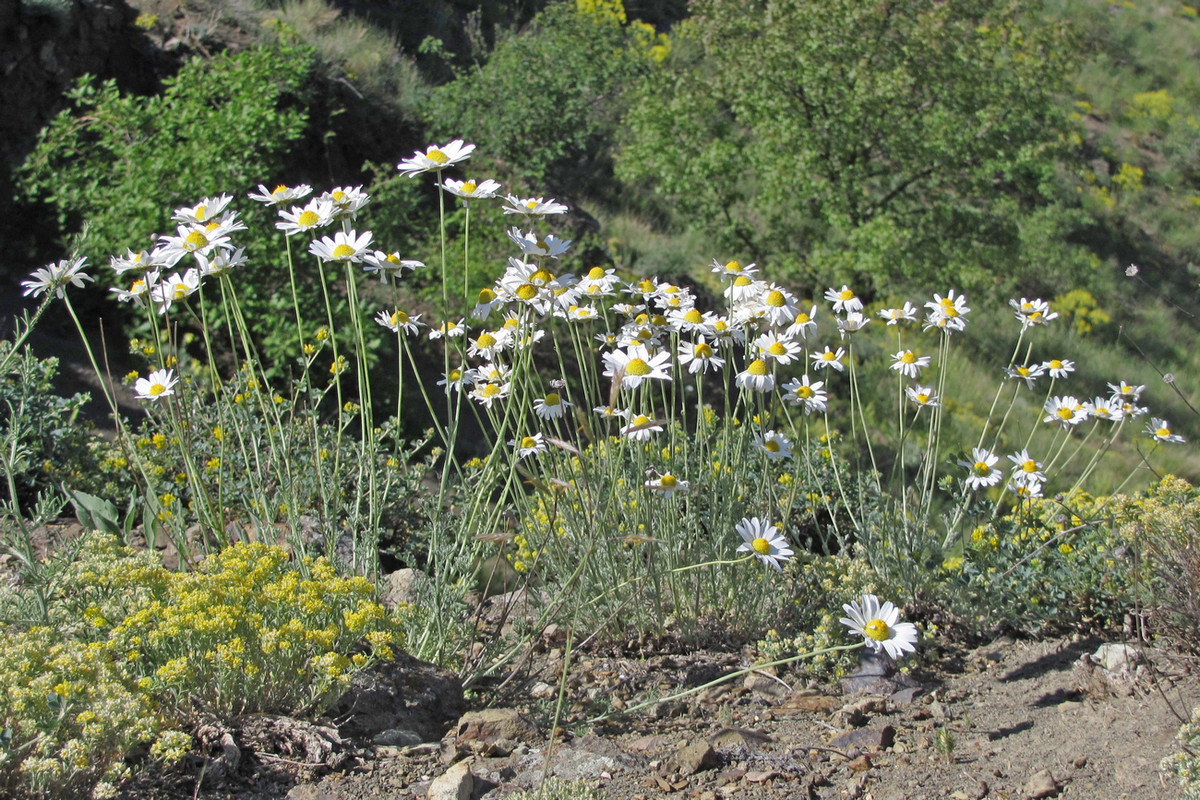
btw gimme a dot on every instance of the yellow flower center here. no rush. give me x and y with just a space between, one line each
694 317
393 258
455 374
596 273
777 349
804 392
399 318
949 310
828 355
486 296
878 630
637 367
196 240
157 389
720 326
1163 432
757 367
776 299
526 291
845 294
489 390
201 212
1030 466
343 251
1055 364
771 446
668 481
802 318
437 156
742 280
982 469
1066 413
528 442
702 350
640 419
541 277
279 190
761 546
909 357
553 399
486 340
308 218
1023 372
338 196
180 291
734 266
647 286
922 398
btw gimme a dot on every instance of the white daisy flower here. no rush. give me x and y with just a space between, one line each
489 344
139 262
641 428
343 246
608 412
812 396
280 194
317 214
455 379
733 269
532 206
844 299
666 485
777 348
203 212
804 325
743 289
389 264
399 321
1160 429
55 277
487 301
757 377
1026 468
894 316
880 626
436 158
221 263
909 364
779 304
160 383
1032 312
346 201
1058 368
1065 410
851 323
829 358
489 392
1026 372
1108 408
139 290
775 445
922 396
635 365
1024 488
470 190
598 282
191 239
175 289
699 356
528 445
449 329
531 245
763 540
982 466
552 406
1126 391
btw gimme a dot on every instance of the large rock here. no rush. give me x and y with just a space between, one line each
405 695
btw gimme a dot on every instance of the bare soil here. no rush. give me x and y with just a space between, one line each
1028 719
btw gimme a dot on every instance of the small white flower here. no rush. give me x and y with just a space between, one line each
982 467
281 194
455 379
757 377
1058 368
1160 429
641 428
317 214
844 299
635 365
1032 312
775 445
1066 411
470 190
346 201
202 213
777 348
1026 468
666 485
880 626
909 364
399 321
161 383
922 396
528 445
829 358
1026 372
733 269
342 246
894 316
699 356
175 289
804 326
763 540
532 206
489 392
531 245
436 158
552 406
812 396
55 277
1126 391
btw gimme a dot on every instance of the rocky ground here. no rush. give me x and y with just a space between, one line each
1012 719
